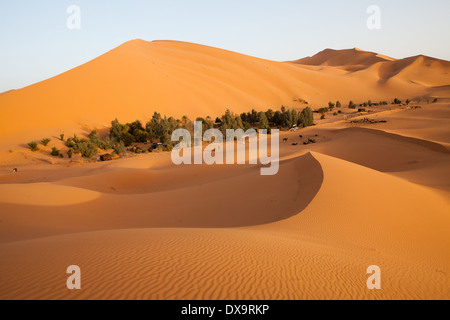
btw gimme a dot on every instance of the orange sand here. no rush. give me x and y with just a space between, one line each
143 228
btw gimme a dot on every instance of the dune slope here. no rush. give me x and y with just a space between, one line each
322 252
176 78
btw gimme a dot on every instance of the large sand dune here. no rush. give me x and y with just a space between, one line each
177 78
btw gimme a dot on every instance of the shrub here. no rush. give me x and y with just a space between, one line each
397 101
263 121
306 118
70 143
339 111
435 100
93 135
94 138
33 146
335 114
338 104
322 116
75 139
140 135
62 136
231 121
109 143
407 101
351 105
55 152
120 148
87 149
331 105
70 152
323 110
45 141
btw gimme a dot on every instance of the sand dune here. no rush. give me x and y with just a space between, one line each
350 59
176 78
322 252
420 70
44 194
213 197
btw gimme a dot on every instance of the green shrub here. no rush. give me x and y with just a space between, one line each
87 149
45 141
435 100
397 101
263 121
33 146
306 118
55 152
120 149
70 143
351 105
338 104
70 152
323 110
62 136
94 138
335 114
93 134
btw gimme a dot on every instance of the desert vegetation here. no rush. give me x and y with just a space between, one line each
45 141
155 135
33 146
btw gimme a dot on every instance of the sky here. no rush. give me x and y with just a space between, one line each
36 42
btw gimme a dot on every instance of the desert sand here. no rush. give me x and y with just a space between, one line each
142 228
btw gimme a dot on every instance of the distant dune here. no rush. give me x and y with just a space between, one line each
351 59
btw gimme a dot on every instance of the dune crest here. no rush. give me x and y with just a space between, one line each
44 194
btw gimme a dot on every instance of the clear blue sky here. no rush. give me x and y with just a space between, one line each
36 44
